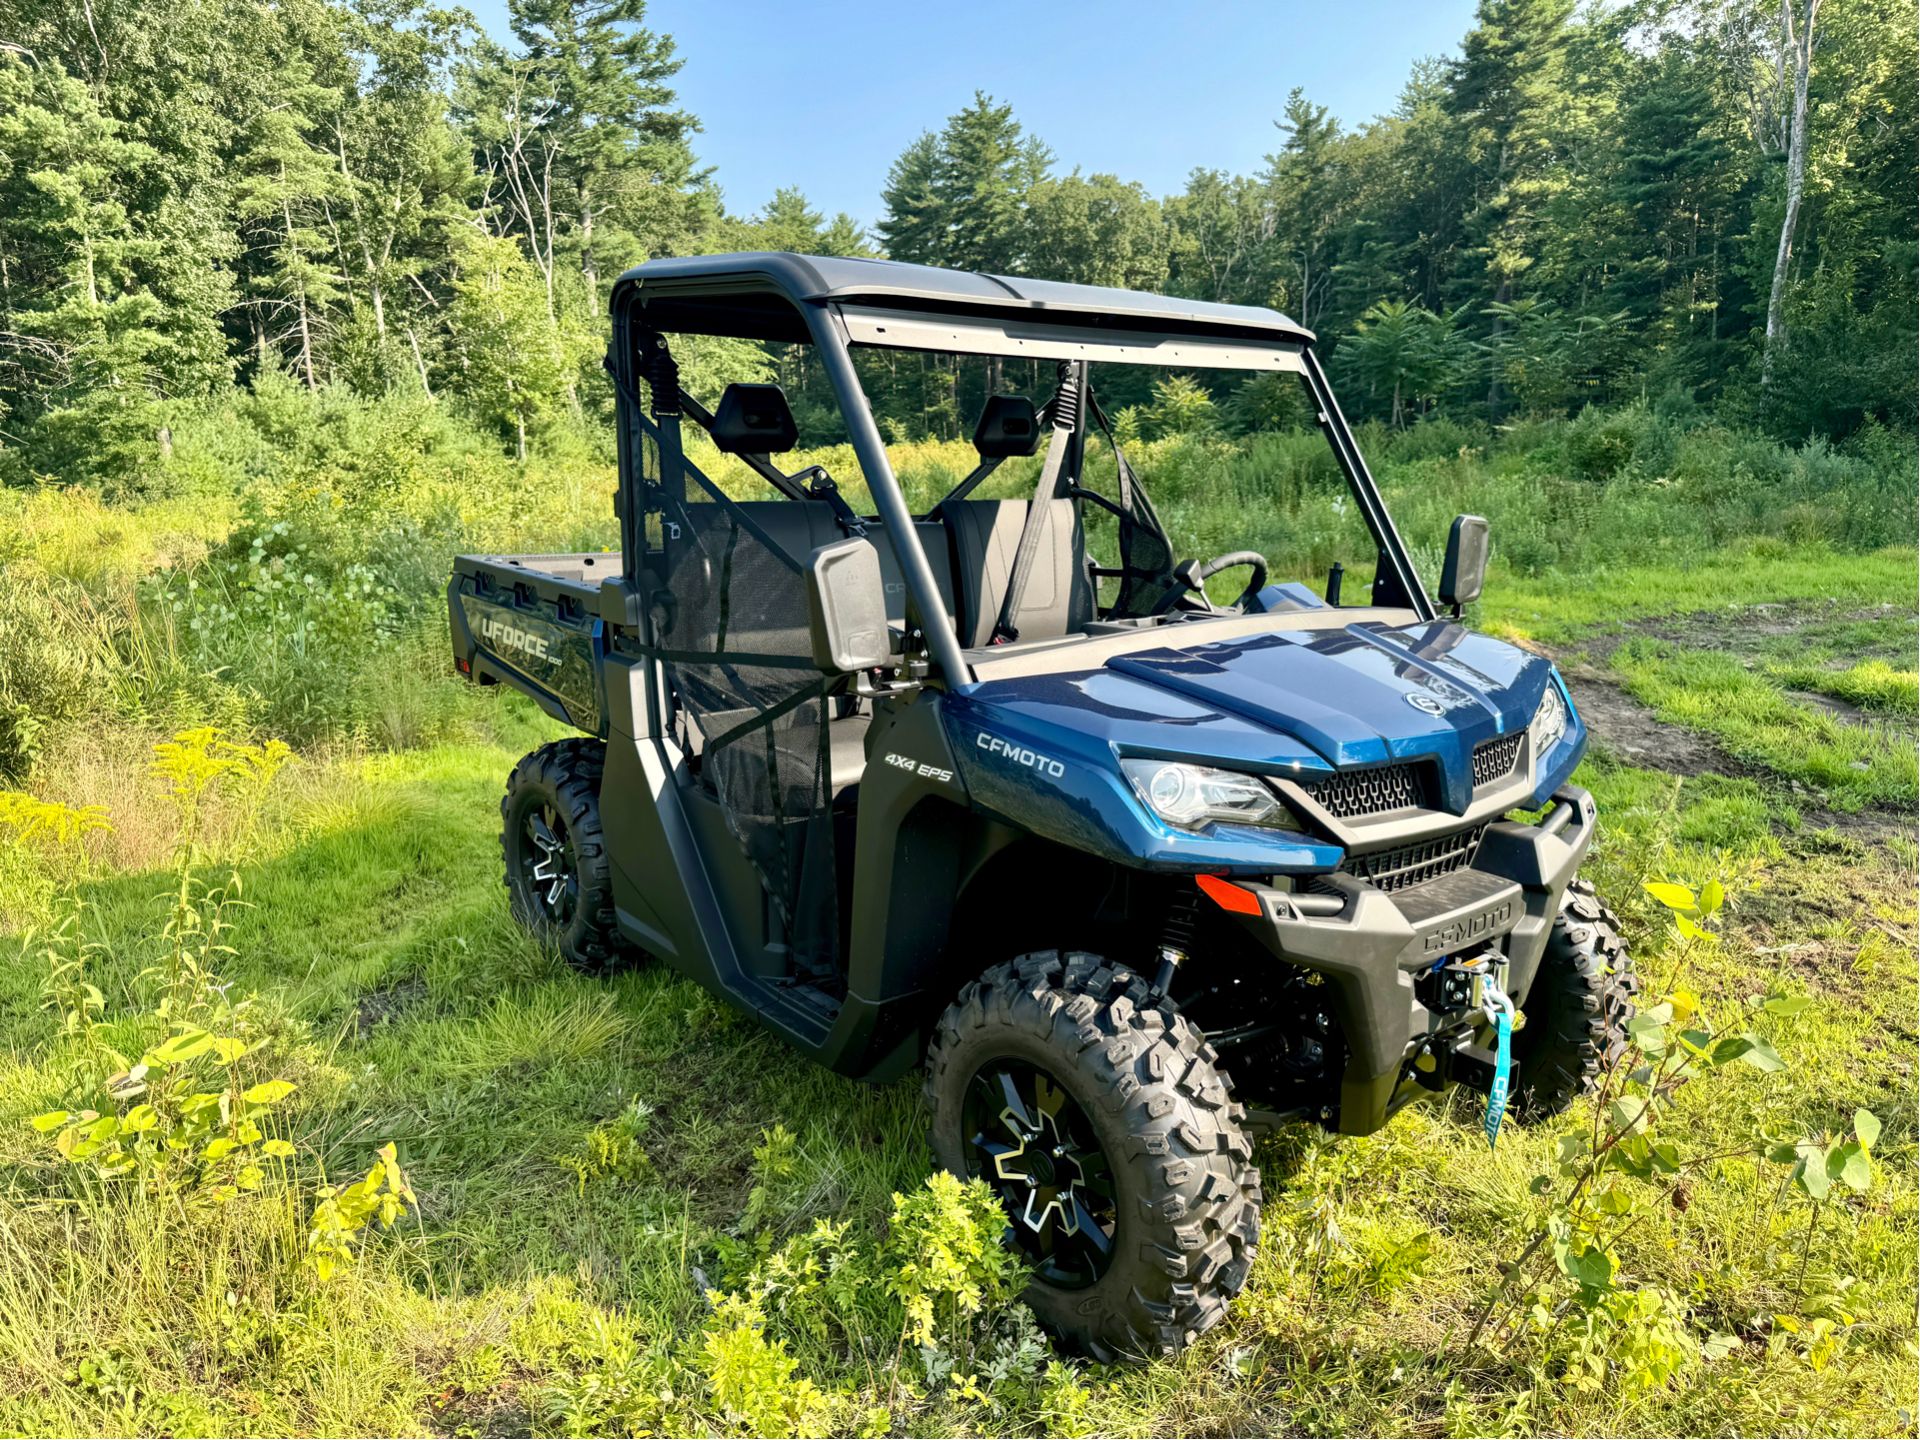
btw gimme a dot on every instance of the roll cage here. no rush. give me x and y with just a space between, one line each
834 304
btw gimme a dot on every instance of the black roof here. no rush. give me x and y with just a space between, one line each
719 290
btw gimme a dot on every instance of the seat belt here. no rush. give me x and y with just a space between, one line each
820 486
1066 421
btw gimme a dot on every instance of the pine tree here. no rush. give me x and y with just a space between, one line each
173 76
1507 92
987 169
1672 187
914 229
283 181
83 335
587 158
959 199
1308 192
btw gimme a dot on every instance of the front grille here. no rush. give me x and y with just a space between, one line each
1494 759
1415 864
1348 794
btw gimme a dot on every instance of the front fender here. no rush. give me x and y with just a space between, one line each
1067 787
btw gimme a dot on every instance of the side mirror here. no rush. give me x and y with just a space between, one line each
1465 570
847 608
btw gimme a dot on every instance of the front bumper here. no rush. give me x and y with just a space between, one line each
1371 946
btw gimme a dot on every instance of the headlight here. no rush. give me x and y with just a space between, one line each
1193 795
1549 721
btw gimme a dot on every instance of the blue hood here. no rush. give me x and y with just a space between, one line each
1298 702
1364 694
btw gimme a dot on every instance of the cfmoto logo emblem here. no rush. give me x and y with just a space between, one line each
1425 703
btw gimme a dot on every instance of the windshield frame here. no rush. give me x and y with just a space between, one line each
1396 582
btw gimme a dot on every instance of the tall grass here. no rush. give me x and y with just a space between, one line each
282 572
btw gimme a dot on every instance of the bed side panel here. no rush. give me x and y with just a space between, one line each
537 632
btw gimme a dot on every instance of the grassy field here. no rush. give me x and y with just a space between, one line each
613 1185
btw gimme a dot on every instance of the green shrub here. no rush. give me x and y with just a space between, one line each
57 661
1601 444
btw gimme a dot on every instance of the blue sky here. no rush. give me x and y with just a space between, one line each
825 95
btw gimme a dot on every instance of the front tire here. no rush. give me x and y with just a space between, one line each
1103 1119
558 883
1577 1009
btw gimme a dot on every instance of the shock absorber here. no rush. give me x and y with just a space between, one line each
1176 936
1065 409
662 374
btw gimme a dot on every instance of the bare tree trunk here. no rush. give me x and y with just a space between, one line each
300 290
1801 46
589 267
1496 388
420 362
306 346
367 265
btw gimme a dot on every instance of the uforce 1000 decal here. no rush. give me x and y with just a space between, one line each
557 658
504 635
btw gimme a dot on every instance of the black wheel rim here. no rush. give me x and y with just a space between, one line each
1030 1140
550 865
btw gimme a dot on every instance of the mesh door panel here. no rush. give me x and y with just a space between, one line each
761 711
1145 556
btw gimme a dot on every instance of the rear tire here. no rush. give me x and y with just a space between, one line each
1577 1009
558 884
1139 1111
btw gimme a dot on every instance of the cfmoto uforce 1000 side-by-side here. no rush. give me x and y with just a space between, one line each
997 789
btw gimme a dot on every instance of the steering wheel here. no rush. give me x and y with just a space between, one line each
1192 576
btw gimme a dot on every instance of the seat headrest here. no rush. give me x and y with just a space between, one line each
754 420
1008 427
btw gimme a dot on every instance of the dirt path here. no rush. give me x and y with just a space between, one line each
1634 733
1748 630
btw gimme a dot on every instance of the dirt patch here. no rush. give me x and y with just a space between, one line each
380 1006
1845 711
1633 733
1746 630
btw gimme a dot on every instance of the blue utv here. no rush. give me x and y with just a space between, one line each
997 790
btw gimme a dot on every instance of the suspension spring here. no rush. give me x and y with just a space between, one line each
1066 400
662 374
1176 935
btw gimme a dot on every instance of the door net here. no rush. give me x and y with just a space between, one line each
743 676
731 632
1146 556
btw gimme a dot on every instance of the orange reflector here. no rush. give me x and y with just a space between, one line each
1227 895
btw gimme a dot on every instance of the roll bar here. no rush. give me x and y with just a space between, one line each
1396 581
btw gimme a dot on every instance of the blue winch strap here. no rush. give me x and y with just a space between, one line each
1502 1069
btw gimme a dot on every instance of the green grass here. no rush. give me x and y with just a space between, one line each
584 1150
414 1012
1871 685
1852 766
1559 609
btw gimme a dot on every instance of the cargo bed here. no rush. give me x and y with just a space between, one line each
533 622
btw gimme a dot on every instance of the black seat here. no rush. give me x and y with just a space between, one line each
800 527
1058 599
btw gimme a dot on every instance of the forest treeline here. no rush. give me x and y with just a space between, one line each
1705 199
